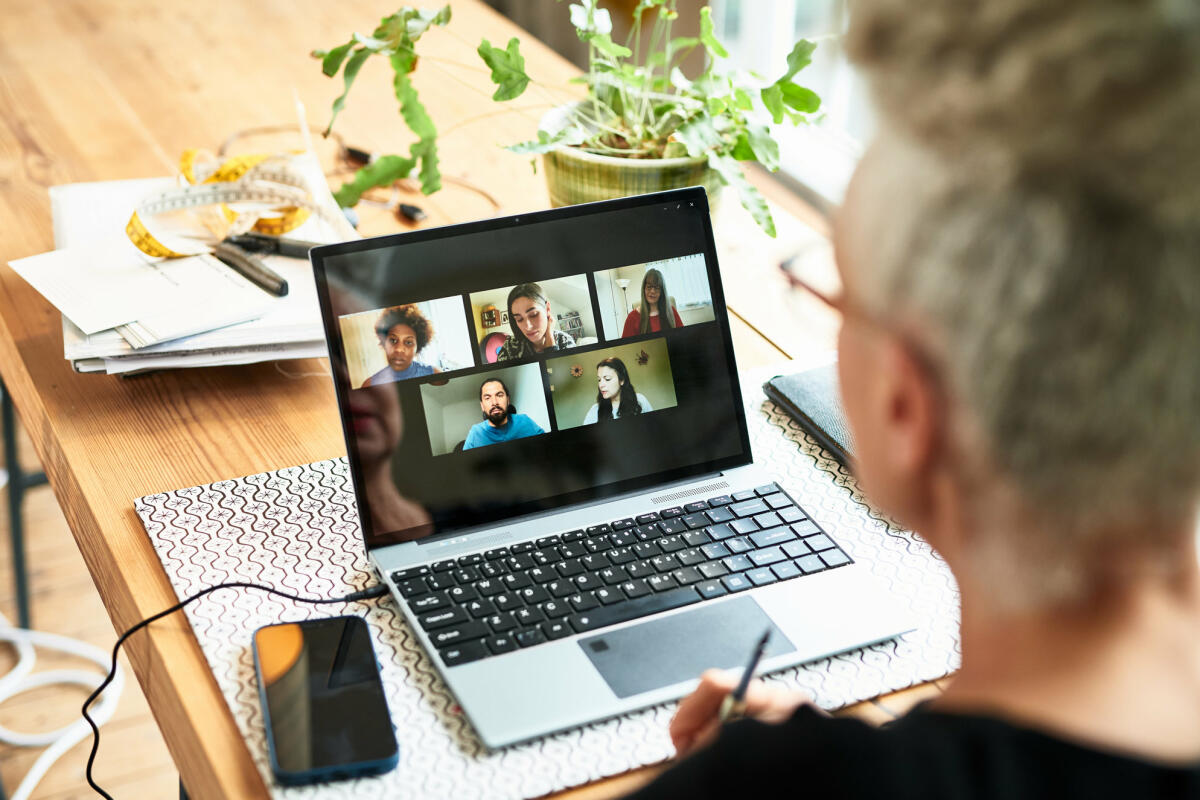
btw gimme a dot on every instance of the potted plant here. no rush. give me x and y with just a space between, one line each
642 126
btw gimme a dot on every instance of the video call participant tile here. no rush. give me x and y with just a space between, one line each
485 408
527 320
654 297
409 340
611 384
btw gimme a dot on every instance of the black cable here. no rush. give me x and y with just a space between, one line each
363 594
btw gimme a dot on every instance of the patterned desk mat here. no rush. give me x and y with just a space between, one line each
297 529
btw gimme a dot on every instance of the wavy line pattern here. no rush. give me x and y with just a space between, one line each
297 528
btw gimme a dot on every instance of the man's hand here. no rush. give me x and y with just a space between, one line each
695 723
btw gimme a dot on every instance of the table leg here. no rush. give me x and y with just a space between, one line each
18 482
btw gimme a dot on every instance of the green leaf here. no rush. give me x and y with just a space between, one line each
419 122
714 47
772 98
508 68
699 136
380 172
353 65
742 100
799 98
546 142
798 59
742 151
674 150
331 60
716 105
766 149
604 43
684 42
731 172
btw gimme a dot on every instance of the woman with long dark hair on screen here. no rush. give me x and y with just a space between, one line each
656 312
532 323
615 395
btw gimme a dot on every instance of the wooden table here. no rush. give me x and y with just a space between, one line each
111 89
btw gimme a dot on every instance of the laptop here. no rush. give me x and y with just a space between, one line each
553 469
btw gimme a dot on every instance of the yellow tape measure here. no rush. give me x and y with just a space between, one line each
263 193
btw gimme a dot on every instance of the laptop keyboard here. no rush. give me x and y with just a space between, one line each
498 601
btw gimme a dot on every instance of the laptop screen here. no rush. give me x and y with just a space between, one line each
521 364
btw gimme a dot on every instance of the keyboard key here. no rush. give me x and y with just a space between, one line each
646 549
687 576
560 588
553 609
819 542
597 530
530 615
810 563
480 608
835 558
633 609
573 536
623 539
441 580
584 601
545 557
519 562
667 513
696 538
785 570
796 549
778 500
547 541
806 528
635 589
557 629
766 557
533 594
661 583
620 555
665 563
719 532
595 544
501 644
761 576
594 561
542 574
488 587
741 497
694 521
622 524
429 602
569 568
501 623
412 572
739 545
587 582
672 526
719 515
737 563
443 637
715 550
493 569
790 514
640 569
647 532
768 520
722 500
670 544
492 555
462 653
442 618
609 595
523 547
748 508
690 557
412 587
711 589
612 575
646 519
692 508
530 637
769 488
515 581
507 601
736 583
713 569
742 526
573 550
470 560
461 594
443 566
773 536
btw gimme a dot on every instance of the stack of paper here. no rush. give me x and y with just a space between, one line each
124 311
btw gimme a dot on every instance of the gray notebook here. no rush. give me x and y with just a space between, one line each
813 398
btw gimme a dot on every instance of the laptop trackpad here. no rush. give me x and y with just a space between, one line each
666 651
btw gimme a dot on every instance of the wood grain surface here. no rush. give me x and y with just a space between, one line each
113 89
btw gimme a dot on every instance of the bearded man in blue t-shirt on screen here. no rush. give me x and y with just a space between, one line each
501 421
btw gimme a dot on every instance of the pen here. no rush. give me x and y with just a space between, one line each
262 243
734 705
251 268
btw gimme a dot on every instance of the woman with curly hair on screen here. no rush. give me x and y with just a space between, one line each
1019 359
403 332
656 312
615 396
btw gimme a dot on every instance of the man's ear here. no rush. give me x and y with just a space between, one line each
911 408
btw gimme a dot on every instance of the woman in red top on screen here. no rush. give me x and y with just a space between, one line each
662 308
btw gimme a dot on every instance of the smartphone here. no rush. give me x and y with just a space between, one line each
323 704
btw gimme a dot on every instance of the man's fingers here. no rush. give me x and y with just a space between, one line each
700 708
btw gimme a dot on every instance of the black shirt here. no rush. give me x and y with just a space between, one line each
926 755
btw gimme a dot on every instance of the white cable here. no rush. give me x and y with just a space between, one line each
21 679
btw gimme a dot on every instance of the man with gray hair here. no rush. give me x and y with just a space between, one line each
1020 258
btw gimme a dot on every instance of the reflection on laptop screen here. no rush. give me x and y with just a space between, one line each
499 368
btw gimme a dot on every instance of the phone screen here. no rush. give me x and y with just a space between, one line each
323 702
